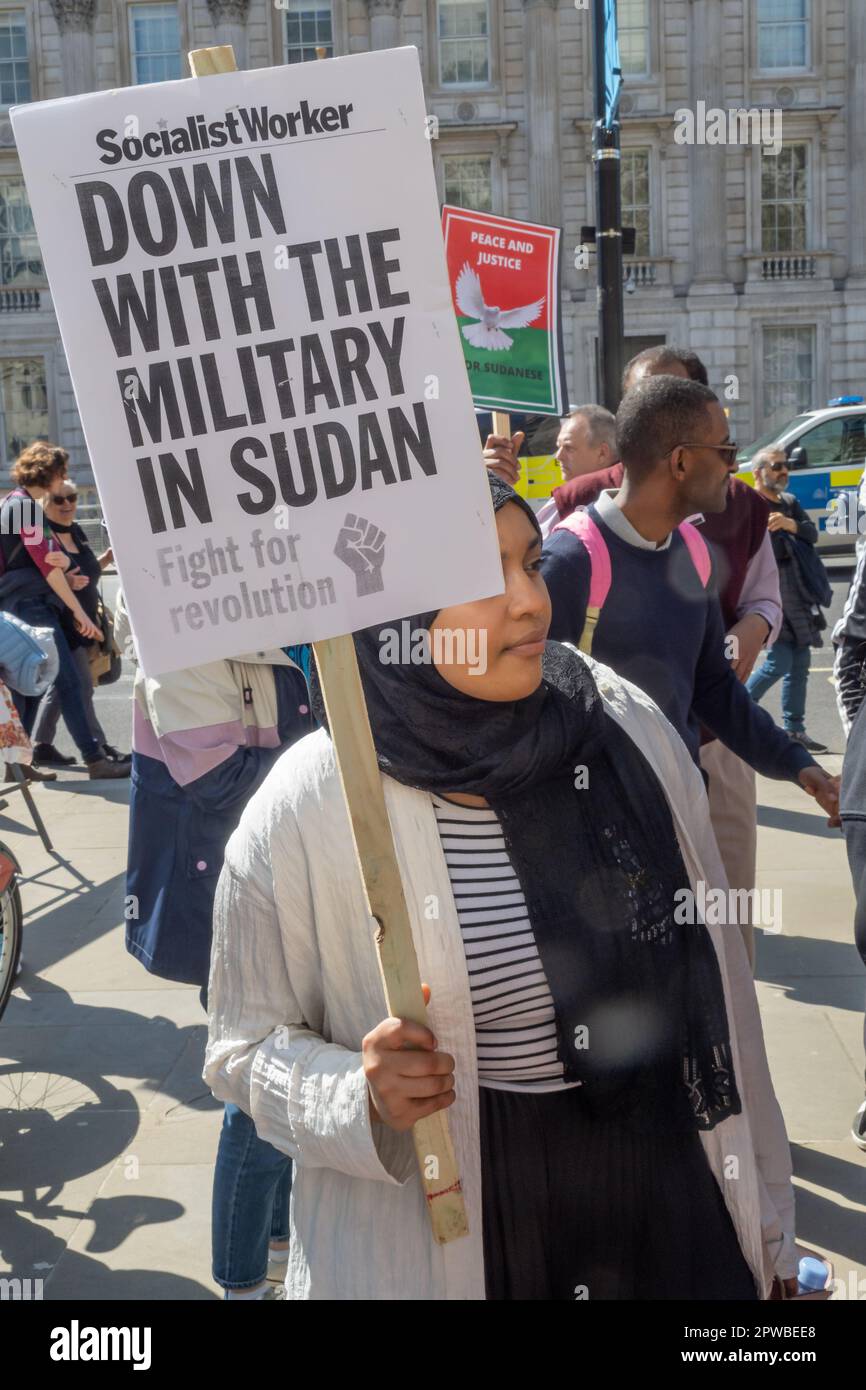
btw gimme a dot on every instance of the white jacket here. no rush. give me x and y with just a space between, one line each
295 986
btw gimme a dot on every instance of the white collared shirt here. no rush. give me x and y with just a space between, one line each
619 523
547 517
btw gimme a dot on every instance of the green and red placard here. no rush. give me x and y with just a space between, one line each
504 279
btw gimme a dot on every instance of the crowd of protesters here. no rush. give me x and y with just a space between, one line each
600 1168
636 605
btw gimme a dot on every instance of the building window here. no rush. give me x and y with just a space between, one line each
636 197
785 199
14 62
23 405
632 23
154 43
464 42
789 373
20 259
309 25
468 181
783 34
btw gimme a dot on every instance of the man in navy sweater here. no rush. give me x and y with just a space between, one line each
661 626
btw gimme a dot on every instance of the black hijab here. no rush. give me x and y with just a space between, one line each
432 736
637 993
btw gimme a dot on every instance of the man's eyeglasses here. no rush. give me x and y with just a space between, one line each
64 499
777 467
730 449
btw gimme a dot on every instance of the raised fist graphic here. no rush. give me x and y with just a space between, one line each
361 546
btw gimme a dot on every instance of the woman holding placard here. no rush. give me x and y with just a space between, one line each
601 1061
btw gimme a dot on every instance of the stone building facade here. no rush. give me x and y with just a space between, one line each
753 255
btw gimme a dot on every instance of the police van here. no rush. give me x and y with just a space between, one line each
826 452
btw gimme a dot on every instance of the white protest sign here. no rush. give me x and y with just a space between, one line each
250 281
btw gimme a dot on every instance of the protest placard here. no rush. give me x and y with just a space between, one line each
250 283
352 738
505 284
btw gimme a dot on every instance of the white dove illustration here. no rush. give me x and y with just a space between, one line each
487 333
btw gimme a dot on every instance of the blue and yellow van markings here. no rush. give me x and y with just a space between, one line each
539 475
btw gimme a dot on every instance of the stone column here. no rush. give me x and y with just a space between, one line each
707 163
230 25
856 120
543 111
75 22
384 23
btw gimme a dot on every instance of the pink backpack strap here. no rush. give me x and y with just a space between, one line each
698 550
581 525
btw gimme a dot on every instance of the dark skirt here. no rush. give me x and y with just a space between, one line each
583 1206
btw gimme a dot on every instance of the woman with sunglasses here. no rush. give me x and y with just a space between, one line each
34 588
597 1052
85 571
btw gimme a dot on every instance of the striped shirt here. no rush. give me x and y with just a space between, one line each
515 1029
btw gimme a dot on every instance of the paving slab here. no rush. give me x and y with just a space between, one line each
816 1095
830 1182
152 1241
87 1008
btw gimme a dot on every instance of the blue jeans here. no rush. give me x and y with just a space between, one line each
789 664
67 683
251 1189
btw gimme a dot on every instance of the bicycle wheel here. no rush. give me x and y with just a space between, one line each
11 933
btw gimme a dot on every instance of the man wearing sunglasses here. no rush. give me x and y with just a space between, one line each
660 624
802 619
748 583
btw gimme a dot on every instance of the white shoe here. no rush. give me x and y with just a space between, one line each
277 1271
272 1292
858 1129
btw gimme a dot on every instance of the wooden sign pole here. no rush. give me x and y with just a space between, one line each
365 800
377 860
502 425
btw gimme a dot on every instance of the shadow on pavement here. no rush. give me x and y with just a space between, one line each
61 1120
75 916
821 1220
812 970
113 790
801 822
32 1251
112 1041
